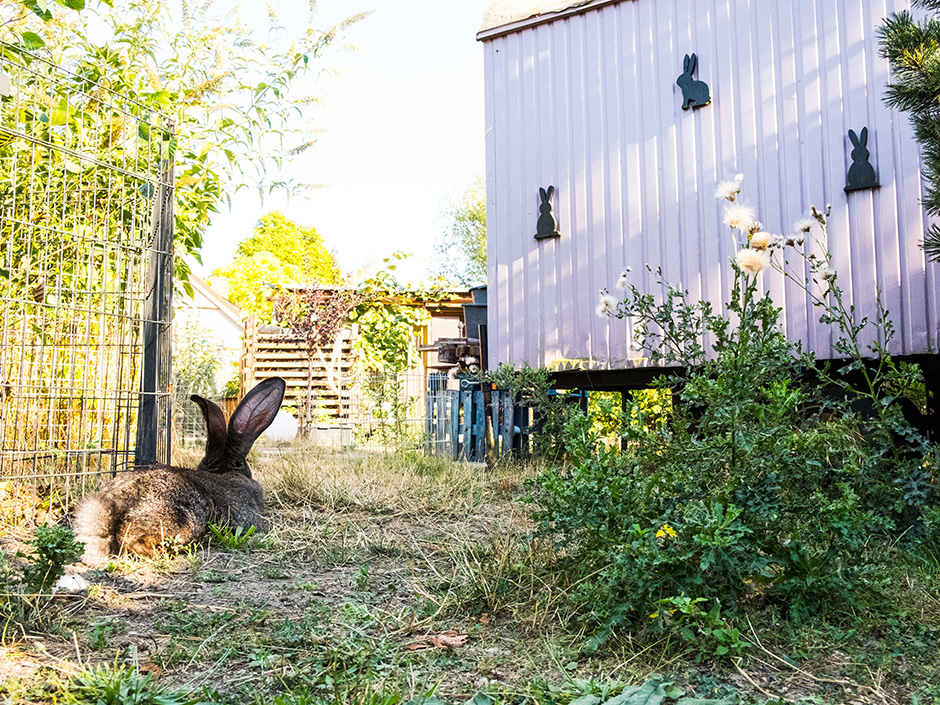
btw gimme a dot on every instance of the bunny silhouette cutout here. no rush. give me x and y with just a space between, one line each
861 173
545 227
695 94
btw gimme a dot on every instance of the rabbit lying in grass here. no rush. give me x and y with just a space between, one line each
137 511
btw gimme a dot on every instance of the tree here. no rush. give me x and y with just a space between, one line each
233 96
462 249
912 48
277 253
298 245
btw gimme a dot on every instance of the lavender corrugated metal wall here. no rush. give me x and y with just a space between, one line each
589 104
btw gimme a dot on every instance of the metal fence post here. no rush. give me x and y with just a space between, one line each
154 411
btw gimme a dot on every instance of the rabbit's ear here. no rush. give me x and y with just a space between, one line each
551 190
215 427
544 196
693 62
255 413
685 64
863 138
853 137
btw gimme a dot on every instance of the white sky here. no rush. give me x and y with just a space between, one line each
403 121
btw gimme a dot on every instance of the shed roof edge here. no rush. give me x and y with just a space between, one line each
576 8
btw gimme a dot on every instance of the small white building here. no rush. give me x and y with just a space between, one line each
583 96
209 320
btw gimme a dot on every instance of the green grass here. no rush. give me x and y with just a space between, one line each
367 557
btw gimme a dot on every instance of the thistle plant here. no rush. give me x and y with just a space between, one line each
778 477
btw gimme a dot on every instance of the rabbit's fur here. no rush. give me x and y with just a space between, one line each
139 510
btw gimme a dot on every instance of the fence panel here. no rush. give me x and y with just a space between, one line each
86 196
459 431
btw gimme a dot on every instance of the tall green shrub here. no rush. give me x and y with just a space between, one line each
765 482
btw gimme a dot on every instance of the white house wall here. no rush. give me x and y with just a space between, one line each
589 104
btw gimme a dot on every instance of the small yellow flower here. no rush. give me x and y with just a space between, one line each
665 531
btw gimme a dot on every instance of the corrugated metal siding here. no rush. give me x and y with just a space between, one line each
589 104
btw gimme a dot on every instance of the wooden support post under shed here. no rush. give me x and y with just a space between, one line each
932 388
626 396
489 419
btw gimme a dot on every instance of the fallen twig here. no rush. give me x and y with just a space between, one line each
844 682
752 681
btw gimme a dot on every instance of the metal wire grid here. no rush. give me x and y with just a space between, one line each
377 413
84 178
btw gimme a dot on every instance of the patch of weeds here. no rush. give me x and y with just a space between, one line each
587 692
233 539
26 603
166 553
501 576
220 591
332 555
99 633
273 572
347 668
388 550
361 577
195 563
267 543
307 631
209 634
211 576
119 685
306 586
927 695
54 547
355 614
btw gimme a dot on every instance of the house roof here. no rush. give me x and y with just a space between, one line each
507 16
226 307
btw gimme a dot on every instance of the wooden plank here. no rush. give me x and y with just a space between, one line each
454 423
508 423
466 406
495 409
441 417
429 424
478 430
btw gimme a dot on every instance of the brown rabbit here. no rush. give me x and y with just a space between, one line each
139 510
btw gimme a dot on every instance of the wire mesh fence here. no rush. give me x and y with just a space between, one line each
432 413
85 280
375 413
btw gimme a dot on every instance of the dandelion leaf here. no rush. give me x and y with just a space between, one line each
586 700
652 692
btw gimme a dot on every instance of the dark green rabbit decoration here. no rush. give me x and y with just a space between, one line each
695 94
545 227
861 173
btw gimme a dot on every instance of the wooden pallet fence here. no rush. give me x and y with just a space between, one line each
318 381
455 424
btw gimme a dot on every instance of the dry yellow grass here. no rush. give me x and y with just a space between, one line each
402 484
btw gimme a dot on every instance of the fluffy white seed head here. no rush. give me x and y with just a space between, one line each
606 305
740 216
728 190
803 225
760 241
753 261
